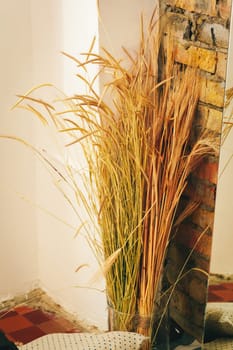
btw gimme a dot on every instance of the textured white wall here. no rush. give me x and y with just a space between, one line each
18 241
120 23
37 246
68 25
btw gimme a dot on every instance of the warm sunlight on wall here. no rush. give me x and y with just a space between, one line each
68 26
19 265
37 249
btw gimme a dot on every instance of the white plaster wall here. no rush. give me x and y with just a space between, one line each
222 257
36 245
120 23
18 241
68 26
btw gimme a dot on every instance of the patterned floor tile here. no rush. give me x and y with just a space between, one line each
27 334
36 316
14 323
24 324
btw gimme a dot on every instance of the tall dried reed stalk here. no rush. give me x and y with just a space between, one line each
227 119
227 125
140 154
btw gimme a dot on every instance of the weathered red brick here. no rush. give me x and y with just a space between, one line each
203 218
177 256
198 290
202 192
201 32
208 171
197 241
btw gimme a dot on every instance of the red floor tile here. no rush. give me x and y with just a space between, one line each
214 298
14 323
27 334
24 324
51 327
229 286
216 287
36 317
225 295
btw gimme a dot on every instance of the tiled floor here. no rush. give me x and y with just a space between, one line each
24 324
222 292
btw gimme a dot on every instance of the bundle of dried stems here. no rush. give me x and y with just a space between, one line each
140 154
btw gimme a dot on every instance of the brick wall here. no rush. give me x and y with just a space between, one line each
201 31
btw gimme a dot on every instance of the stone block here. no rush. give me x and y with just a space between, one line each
207 7
198 57
210 118
221 65
178 24
214 34
212 92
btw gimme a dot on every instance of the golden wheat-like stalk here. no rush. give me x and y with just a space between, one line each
139 154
